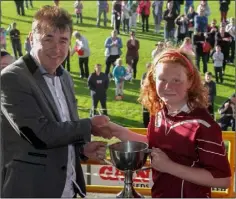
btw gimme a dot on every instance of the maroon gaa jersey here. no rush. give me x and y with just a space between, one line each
190 138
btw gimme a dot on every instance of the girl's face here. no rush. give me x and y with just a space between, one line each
172 84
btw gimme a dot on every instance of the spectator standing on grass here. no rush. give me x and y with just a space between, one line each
205 7
119 73
78 5
198 41
159 48
66 62
224 39
157 11
191 17
116 9
187 5
125 15
231 29
83 51
28 2
201 22
102 7
3 38
224 7
15 41
182 27
133 14
169 16
211 87
113 45
20 7
144 7
132 55
98 83
218 58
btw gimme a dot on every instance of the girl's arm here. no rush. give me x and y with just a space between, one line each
125 134
197 176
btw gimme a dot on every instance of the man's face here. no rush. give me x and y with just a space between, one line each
5 61
51 48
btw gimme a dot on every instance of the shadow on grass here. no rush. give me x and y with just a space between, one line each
17 19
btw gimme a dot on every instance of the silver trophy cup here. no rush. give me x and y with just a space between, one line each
129 156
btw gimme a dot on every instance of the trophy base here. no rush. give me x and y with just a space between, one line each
129 193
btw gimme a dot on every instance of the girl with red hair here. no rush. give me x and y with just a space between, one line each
188 154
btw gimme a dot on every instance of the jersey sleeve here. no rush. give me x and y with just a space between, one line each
211 151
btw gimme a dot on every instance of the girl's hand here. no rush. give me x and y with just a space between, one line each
160 161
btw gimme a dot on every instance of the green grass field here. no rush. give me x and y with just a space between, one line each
127 112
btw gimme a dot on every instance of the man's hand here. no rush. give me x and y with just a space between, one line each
100 126
95 150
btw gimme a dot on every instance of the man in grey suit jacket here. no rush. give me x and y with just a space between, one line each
37 97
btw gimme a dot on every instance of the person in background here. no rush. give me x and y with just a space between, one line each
43 139
198 41
144 6
6 59
102 9
27 44
191 17
132 55
117 9
98 84
169 16
20 7
83 51
159 48
180 131
3 40
218 58
231 29
133 5
224 39
146 114
15 41
211 87
27 3
157 11
228 115
187 46
125 16
113 45
119 73
78 5
204 7
182 27
201 22
224 7
187 5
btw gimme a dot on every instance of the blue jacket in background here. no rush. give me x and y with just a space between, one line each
102 4
108 46
118 73
200 23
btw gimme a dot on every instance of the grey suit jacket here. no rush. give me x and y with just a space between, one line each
36 166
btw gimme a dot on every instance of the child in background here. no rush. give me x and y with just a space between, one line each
211 87
188 154
78 11
218 58
187 46
119 73
3 41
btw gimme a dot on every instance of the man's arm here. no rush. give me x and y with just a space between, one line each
28 112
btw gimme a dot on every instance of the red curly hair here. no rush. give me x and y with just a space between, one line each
197 93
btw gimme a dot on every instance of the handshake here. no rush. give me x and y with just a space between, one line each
101 126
